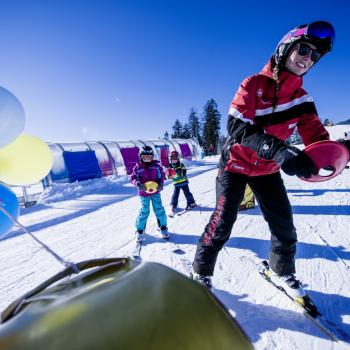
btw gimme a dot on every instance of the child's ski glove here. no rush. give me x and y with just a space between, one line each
141 186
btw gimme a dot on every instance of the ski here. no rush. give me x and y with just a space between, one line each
183 212
307 307
136 253
187 210
178 256
174 248
172 214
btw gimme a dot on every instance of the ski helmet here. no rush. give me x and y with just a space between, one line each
146 150
320 33
174 155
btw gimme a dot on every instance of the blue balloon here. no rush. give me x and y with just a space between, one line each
9 202
12 117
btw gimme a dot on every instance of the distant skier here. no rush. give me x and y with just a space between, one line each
346 142
177 172
211 150
145 173
266 109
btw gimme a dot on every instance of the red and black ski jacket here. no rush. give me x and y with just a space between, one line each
261 119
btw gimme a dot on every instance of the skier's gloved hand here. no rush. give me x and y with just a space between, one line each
141 186
295 162
160 187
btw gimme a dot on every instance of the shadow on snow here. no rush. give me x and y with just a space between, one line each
304 250
250 316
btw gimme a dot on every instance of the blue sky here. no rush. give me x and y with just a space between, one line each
118 70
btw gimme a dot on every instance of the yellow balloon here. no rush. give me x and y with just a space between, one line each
25 161
151 186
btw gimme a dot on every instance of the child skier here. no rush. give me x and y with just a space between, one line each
177 172
149 170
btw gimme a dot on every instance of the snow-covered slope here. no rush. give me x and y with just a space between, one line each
96 219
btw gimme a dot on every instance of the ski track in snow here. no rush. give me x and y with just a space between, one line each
102 225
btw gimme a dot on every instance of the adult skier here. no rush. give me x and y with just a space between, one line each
265 110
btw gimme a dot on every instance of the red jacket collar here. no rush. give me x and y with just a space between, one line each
288 82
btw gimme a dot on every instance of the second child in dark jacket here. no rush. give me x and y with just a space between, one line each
177 172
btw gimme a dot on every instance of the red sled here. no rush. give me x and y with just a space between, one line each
330 158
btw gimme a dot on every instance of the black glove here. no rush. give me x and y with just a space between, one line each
160 187
141 186
295 162
346 143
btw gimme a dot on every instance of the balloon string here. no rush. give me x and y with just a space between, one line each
48 249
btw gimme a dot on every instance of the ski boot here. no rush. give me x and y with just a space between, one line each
204 280
164 232
190 206
173 212
293 288
139 236
289 283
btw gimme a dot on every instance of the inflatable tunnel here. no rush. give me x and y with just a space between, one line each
119 303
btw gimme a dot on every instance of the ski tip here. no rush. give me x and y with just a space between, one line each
265 263
136 257
179 251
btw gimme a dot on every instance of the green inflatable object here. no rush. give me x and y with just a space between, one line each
120 304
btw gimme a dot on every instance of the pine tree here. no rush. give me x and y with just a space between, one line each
177 130
166 135
211 125
186 134
194 126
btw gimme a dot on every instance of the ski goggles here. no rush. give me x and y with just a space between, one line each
305 49
147 156
320 30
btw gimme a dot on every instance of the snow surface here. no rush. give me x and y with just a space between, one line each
95 219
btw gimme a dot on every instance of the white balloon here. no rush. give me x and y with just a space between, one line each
12 117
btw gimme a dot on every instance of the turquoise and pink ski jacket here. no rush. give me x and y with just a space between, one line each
143 173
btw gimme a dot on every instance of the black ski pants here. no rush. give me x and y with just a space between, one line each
175 197
271 195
